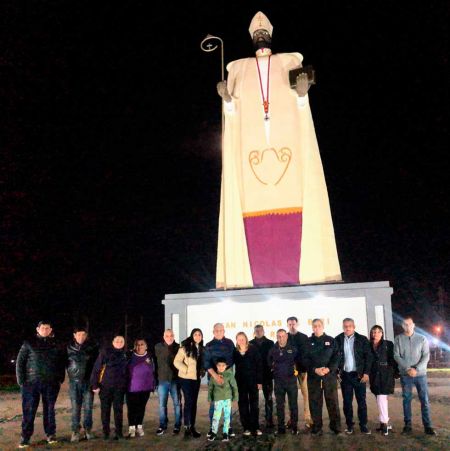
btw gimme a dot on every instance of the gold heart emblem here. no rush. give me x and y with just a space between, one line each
270 165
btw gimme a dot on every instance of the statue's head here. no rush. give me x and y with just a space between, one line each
261 31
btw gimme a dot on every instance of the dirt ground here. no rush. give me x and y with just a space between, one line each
439 384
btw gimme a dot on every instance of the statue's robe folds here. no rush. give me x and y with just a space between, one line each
275 225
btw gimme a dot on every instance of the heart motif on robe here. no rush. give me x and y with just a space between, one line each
270 165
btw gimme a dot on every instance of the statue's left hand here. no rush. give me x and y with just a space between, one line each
302 85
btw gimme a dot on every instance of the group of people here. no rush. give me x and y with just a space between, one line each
235 373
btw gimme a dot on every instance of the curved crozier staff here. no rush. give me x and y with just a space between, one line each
209 44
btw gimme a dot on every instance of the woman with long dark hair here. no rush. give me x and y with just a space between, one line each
382 375
249 374
189 362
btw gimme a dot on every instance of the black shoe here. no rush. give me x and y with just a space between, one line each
365 430
105 436
225 438
24 443
385 429
160 431
195 433
209 433
349 430
336 432
430 431
187 431
231 433
51 439
281 431
212 437
316 432
407 430
294 431
380 427
176 431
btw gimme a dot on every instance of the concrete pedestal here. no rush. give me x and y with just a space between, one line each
367 303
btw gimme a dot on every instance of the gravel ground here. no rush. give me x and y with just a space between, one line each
439 384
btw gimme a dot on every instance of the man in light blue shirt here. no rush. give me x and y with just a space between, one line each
412 353
354 368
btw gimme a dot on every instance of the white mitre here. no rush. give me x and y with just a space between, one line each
260 22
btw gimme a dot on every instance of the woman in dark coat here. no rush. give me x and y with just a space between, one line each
382 375
109 378
249 374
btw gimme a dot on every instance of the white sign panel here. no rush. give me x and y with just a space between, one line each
272 314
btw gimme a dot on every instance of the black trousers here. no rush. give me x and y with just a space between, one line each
136 403
190 389
31 395
318 388
267 390
289 388
248 405
112 397
350 383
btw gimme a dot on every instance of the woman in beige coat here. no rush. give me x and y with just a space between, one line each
189 363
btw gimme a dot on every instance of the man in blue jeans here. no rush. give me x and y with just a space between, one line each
40 373
167 376
81 356
412 353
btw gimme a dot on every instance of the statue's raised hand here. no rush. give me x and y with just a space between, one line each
302 84
223 91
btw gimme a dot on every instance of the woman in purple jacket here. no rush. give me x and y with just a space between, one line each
141 381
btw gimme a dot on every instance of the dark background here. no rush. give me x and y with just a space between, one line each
110 152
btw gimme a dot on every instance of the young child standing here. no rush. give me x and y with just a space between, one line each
222 395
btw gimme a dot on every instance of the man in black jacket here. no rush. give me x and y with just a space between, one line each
300 341
81 355
167 376
354 368
40 373
282 359
264 345
322 360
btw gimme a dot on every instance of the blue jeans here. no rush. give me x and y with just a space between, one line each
164 389
81 396
31 394
422 390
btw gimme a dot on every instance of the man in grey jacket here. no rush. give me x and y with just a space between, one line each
411 352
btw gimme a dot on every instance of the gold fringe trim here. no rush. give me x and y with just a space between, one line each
277 211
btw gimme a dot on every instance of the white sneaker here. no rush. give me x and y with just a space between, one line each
75 437
258 432
132 431
247 433
140 430
51 439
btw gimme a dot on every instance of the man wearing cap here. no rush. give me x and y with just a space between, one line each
275 224
40 371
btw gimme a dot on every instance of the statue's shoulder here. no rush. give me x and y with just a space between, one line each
236 64
293 58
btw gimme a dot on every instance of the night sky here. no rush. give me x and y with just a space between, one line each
110 151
